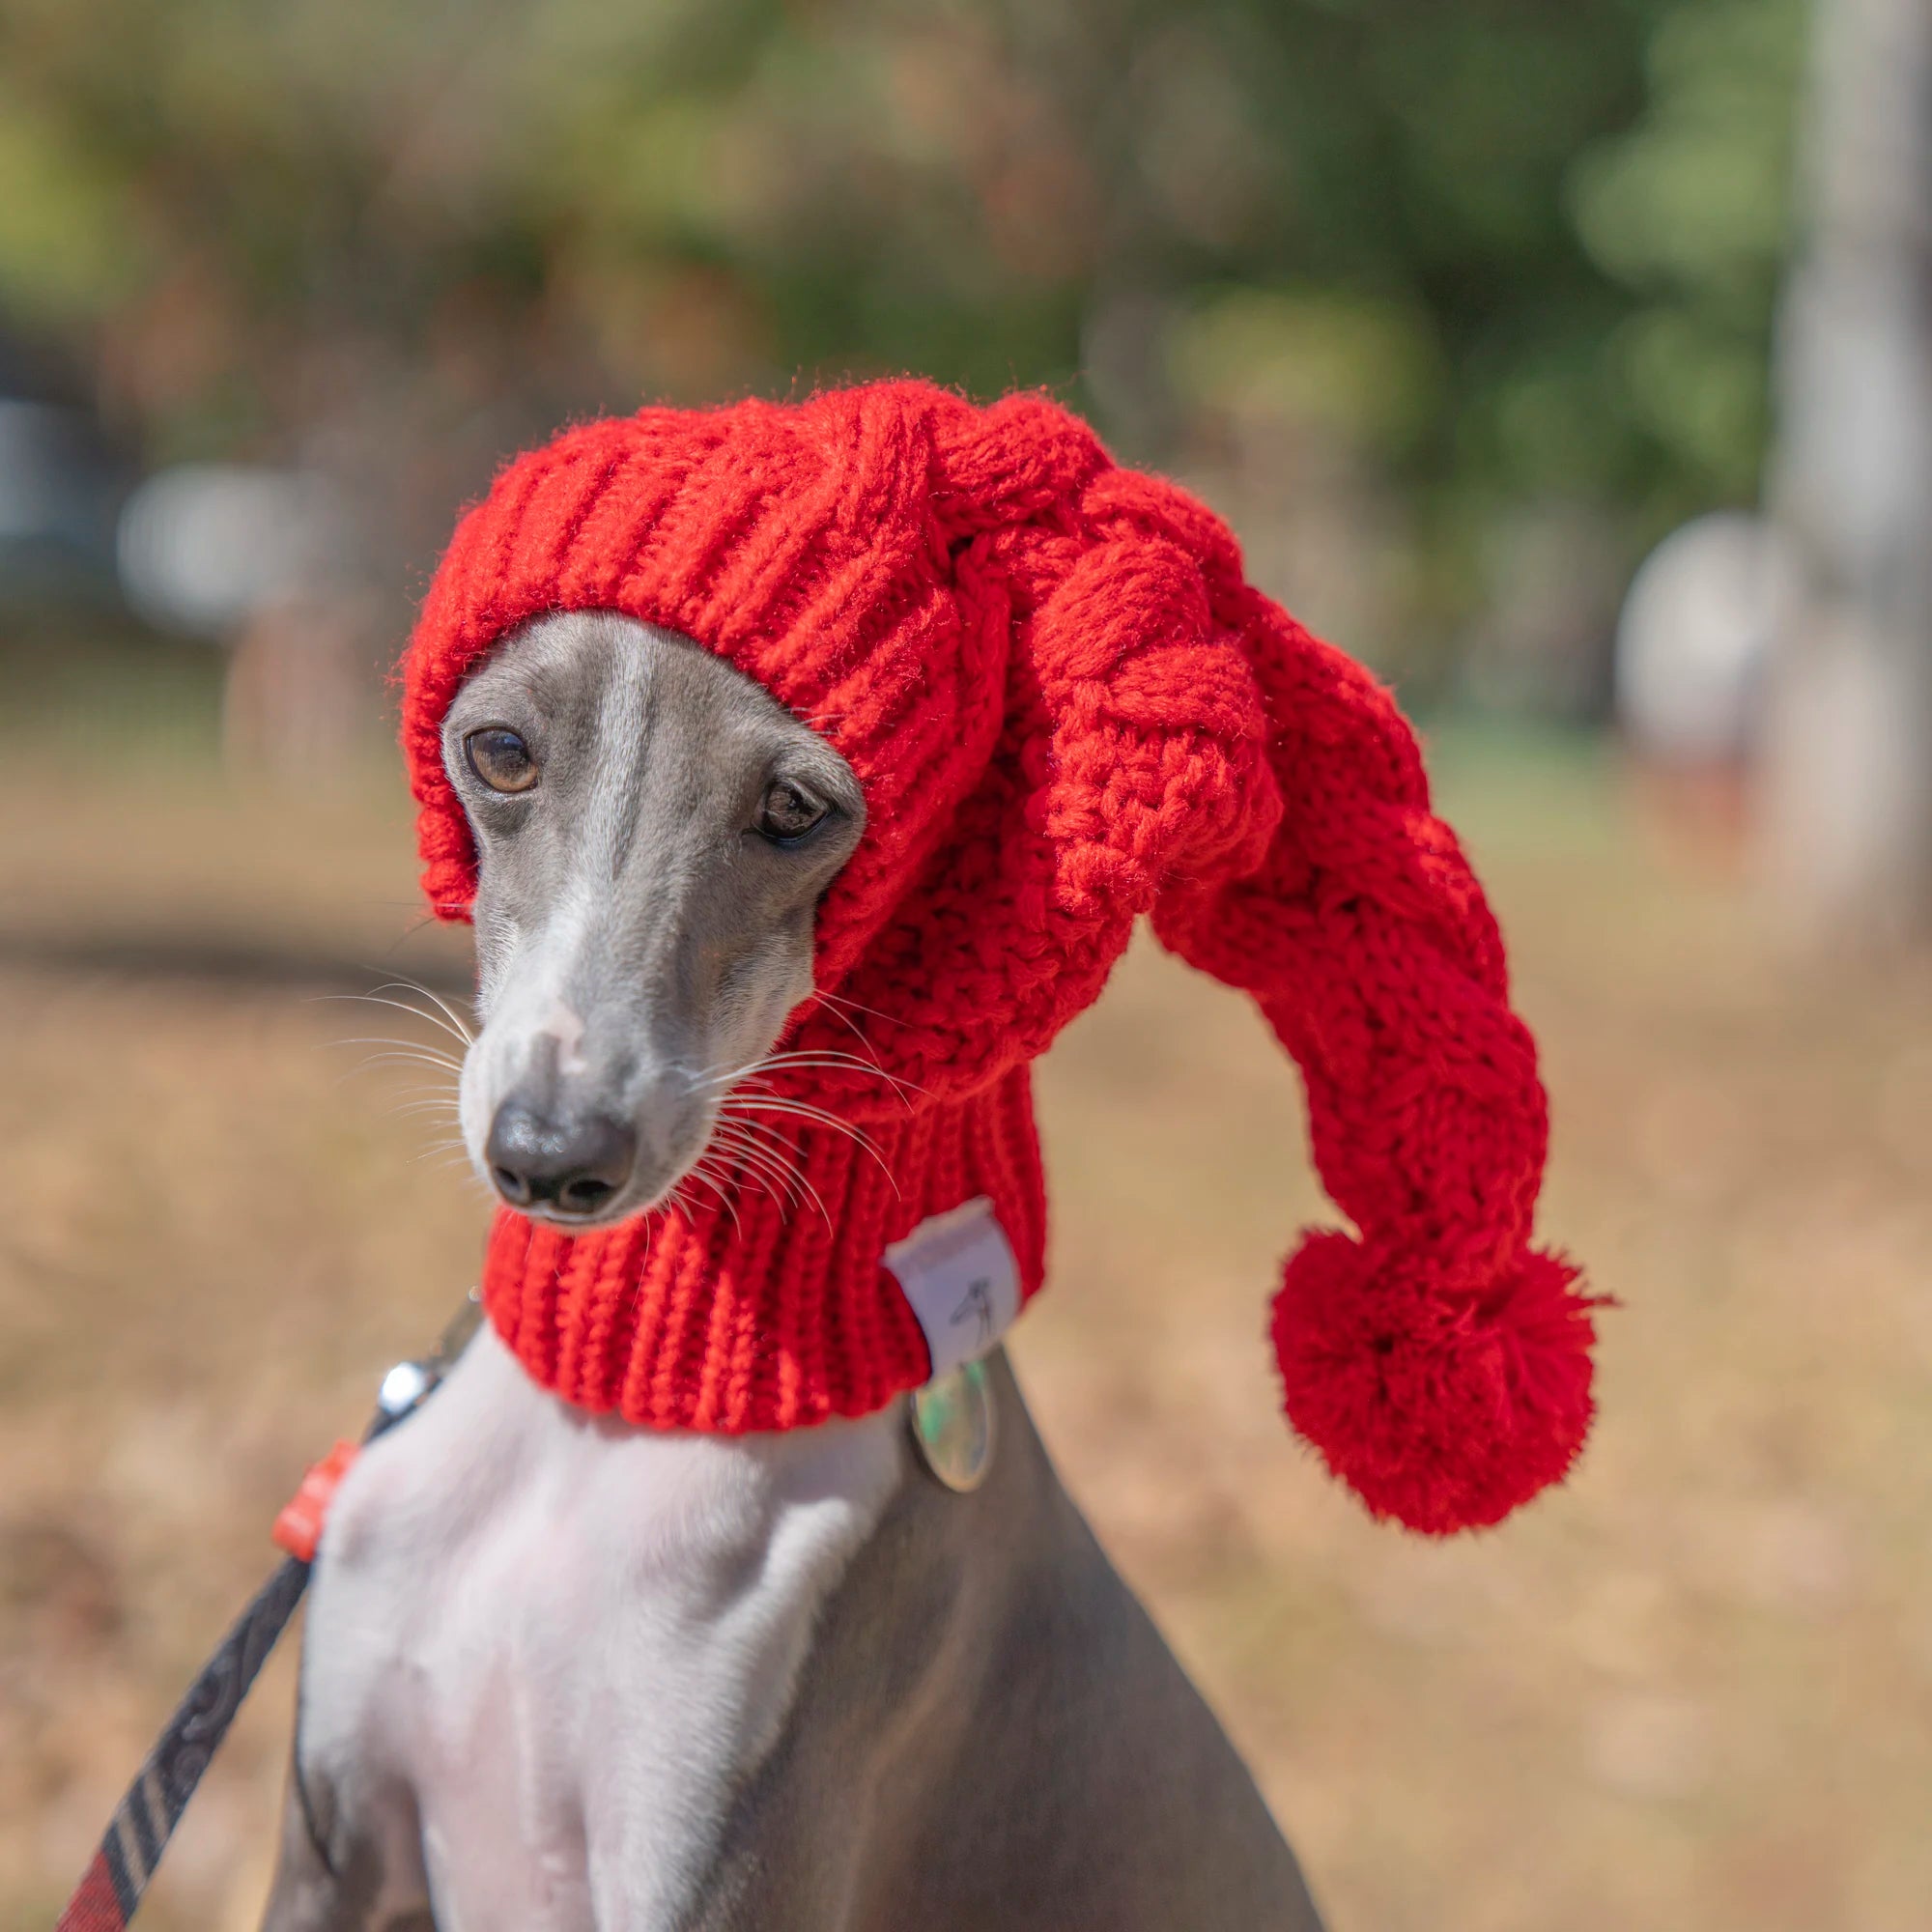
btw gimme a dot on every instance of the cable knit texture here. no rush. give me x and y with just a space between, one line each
1068 709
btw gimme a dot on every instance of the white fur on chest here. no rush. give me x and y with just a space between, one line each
568 1640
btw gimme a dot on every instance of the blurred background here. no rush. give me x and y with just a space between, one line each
1572 364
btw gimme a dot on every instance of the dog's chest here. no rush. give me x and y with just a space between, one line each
561 1644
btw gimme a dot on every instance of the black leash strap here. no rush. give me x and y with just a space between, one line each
144 1820
110 1890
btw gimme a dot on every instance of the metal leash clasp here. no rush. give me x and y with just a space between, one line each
404 1390
414 1380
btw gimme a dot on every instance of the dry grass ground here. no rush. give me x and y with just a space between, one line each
1693 1688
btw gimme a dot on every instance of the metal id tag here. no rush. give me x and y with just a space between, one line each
951 1423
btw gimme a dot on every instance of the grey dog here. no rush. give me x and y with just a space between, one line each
560 1673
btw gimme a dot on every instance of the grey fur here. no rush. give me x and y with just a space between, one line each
991 1733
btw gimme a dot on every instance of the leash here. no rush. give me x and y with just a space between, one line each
109 1891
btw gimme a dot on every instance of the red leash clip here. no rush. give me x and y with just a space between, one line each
299 1526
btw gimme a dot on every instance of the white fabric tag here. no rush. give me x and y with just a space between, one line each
961 1276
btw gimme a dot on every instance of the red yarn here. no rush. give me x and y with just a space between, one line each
1067 708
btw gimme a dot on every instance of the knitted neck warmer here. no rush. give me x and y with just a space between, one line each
776 1311
1068 709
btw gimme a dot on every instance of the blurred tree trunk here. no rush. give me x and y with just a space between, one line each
1848 817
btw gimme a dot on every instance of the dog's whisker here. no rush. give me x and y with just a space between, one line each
698 1171
746 1154
682 1202
441 1157
427 1048
771 1063
776 1149
395 1054
377 998
858 1006
755 1089
753 1177
757 1080
870 1153
738 1106
757 1129
410 1045
381 1062
724 1076
850 1025
462 1028
436 1019
465 1174
832 1056
777 1160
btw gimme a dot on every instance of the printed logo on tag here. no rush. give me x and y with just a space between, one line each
961 1276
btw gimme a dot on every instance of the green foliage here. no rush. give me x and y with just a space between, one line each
1344 365
1503 252
1690 210
66 252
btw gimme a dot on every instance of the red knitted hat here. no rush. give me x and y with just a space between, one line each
1067 708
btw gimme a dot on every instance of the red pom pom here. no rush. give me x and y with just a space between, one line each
1440 1407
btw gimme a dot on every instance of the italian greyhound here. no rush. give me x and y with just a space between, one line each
560 1673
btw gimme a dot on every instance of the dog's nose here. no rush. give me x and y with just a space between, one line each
572 1167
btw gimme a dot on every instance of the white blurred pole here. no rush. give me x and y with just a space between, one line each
1848 767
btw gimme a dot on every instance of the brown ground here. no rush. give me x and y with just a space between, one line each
1693 1688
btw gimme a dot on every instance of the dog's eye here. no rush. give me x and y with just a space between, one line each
786 814
500 758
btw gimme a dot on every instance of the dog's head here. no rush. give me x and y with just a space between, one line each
653 835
